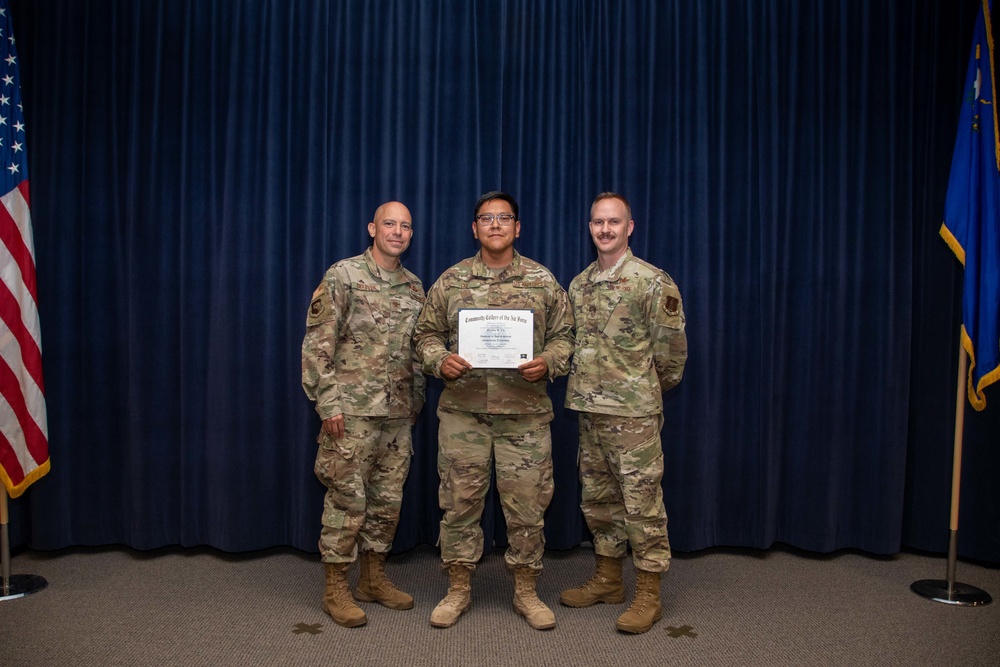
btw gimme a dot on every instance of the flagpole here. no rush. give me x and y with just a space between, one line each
947 590
12 588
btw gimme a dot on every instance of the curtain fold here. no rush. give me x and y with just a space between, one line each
197 166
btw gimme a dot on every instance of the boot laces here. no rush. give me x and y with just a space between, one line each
454 598
597 580
527 595
376 570
643 598
340 593
532 601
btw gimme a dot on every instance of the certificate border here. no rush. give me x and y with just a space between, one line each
498 310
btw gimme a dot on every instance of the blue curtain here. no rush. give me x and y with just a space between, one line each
196 166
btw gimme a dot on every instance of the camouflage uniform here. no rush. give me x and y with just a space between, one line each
495 413
630 347
358 360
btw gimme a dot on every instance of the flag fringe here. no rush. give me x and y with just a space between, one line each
32 477
952 242
977 395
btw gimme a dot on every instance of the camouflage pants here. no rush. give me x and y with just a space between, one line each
363 473
522 448
621 466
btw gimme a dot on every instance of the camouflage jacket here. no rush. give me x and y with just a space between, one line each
630 340
357 355
471 284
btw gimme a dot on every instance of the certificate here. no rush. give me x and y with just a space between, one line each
491 338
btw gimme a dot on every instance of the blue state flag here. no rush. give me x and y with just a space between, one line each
972 213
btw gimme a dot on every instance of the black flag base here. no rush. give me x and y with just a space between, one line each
962 595
21 585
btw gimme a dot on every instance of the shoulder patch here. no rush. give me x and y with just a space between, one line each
316 308
671 305
320 307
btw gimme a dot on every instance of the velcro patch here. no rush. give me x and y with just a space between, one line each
320 308
671 305
316 308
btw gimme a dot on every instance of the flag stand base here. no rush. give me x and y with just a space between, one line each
962 595
948 590
20 585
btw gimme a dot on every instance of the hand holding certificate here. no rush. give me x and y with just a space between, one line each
492 338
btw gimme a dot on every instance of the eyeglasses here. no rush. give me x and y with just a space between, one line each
503 219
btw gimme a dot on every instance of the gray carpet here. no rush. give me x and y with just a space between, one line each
202 607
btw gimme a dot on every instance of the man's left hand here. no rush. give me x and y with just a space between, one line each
534 370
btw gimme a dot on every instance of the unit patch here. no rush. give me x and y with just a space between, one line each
672 305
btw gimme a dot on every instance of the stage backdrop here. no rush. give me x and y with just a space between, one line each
196 166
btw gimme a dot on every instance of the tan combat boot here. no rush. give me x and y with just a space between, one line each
604 586
645 609
526 602
457 600
374 586
337 600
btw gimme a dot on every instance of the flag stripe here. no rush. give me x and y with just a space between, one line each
10 430
16 489
34 438
17 380
15 232
10 277
21 338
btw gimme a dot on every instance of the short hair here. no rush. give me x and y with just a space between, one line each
613 195
495 194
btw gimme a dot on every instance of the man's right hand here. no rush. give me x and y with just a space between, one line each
454 367
334 426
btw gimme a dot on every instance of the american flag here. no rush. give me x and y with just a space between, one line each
24 441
